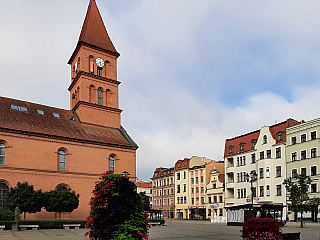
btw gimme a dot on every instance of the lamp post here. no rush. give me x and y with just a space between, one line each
251 178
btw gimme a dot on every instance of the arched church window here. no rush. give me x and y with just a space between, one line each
62 187
2 154
99 96
62 159
4 192
99 71
111 162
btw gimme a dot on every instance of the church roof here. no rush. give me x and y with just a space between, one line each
94 32
24 118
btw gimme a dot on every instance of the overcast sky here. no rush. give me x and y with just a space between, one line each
193 73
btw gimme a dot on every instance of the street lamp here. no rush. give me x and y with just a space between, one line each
251 178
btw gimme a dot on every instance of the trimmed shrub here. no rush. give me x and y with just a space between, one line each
116 210
261 228
6 215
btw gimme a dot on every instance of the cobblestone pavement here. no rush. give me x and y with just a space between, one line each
171 230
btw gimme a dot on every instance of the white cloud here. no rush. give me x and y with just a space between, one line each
193 73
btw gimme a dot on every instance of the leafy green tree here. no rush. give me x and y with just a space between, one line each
26 198
61 201
297 188
145 201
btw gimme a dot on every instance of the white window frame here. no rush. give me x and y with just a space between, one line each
267 154
277 171
296 156
311 132
62 159
306 154
267 172
291 140
296 171
311 187
306 137
306 170
316 170
280 152
112 163
280 190
3 156
316 152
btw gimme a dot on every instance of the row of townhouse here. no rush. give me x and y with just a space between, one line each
268 156
192 189
199 188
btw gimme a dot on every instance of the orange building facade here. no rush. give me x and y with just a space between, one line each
51 147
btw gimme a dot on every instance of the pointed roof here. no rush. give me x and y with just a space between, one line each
94 32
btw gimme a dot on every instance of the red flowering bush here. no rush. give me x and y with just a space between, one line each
261 229
116 210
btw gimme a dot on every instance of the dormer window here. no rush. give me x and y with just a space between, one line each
71 118
254 142
23 109
265 138
14 107
56 115
40 112
19 108
230 149
241 146
280 136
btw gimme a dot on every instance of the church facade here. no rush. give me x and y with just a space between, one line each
52 148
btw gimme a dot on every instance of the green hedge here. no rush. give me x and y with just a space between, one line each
150 220
44 224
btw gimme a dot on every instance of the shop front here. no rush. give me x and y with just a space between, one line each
197 213
179 214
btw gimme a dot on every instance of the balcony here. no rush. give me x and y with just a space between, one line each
229 200
230 169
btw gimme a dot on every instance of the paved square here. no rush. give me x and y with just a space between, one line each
171 230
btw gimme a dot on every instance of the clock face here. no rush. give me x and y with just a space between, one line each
76 66
99 62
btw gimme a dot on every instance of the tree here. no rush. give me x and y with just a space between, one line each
26 198
145 201
297 188
116 210
61 201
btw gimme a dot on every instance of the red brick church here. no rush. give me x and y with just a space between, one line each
51 147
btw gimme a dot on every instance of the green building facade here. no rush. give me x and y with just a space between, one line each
302 155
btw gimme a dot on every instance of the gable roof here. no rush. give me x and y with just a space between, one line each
46 125
247 139
184 164
94 32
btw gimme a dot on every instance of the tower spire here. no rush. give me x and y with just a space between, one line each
94 32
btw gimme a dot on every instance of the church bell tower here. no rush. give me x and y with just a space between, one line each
94 84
